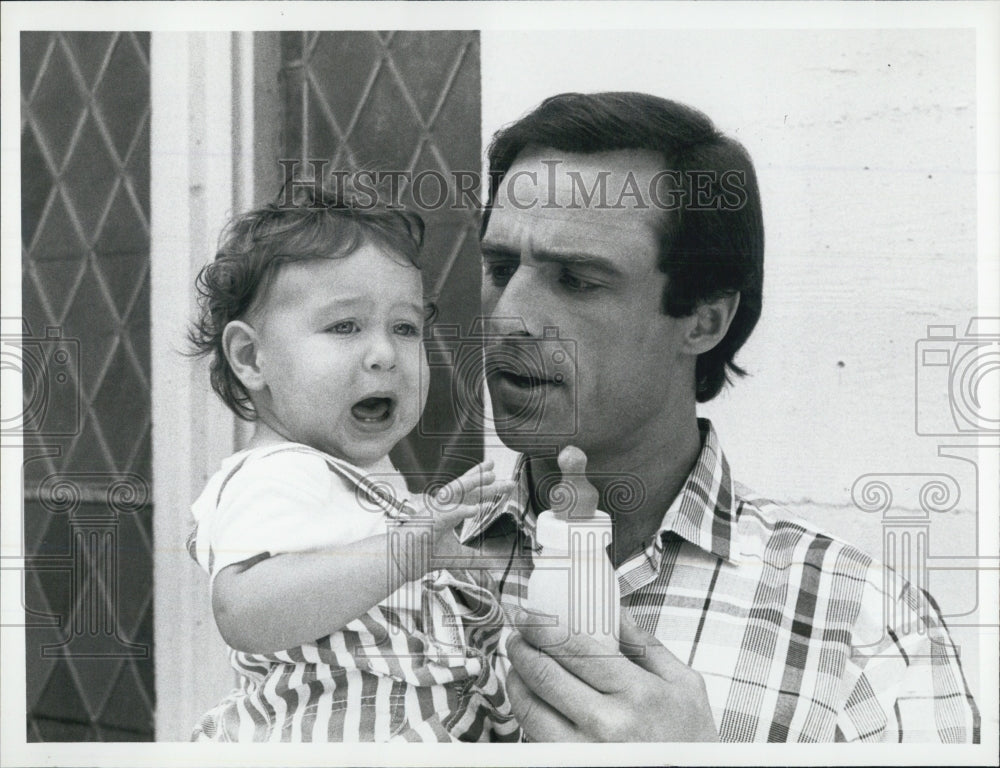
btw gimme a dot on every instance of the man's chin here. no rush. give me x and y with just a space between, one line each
532 437
534 445
536 426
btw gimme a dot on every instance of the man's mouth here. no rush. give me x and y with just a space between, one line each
511 366
526 380
373 410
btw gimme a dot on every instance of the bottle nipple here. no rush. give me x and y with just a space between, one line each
574 497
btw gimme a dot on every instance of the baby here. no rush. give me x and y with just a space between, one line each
321 579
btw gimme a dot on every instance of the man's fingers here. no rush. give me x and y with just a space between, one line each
537 719
649 697
646 651
582 656
549 681
686 686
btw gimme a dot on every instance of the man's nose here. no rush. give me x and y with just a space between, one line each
381 354
516 312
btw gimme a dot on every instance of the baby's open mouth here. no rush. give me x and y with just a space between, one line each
372 409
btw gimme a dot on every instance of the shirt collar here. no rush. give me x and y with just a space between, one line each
516 506
702 513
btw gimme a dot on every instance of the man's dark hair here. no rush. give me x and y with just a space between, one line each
319 223
706 253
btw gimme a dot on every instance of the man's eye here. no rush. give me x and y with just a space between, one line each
344 327
576 284
407 329
500 273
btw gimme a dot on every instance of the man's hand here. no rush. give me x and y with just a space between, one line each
580 695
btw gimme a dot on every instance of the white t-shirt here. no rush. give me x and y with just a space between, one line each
285 500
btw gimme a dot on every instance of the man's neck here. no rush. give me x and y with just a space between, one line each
636 484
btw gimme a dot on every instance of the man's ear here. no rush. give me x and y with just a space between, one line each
710 322
242 347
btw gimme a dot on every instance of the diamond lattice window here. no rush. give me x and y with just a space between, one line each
85 111
409 102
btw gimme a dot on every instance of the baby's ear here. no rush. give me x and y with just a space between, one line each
710 322
242 347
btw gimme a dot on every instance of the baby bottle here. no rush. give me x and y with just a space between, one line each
573 583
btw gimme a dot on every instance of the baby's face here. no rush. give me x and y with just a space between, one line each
340 351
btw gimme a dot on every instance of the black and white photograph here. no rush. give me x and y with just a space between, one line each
523 373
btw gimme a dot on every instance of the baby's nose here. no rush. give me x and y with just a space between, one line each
381 355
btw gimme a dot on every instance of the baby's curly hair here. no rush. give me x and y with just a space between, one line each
319 224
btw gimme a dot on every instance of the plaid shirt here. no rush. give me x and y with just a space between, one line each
798 636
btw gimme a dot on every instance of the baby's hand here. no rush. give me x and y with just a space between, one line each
467 496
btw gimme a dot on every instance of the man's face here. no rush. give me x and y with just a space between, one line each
615 379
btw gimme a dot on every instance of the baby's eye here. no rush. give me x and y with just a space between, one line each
344 327
406 329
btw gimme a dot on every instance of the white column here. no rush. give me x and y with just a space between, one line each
193 175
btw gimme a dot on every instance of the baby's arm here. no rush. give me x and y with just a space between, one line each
273 603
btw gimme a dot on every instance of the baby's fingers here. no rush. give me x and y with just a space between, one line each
449 518
466 488
452 515
495 490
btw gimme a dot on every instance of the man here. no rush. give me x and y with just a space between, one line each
624 234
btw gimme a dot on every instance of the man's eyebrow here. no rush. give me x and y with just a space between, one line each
489 251
589 260
552 256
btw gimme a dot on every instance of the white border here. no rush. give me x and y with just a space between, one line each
185 16
188 15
